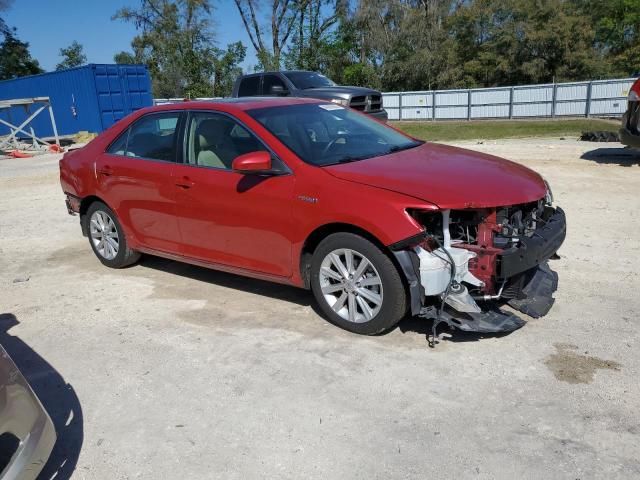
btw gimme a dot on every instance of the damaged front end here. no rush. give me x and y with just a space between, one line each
468 263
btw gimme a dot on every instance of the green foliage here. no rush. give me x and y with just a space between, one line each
226 68
15 59
72 56
416 45
312 29
511 42
4 5
175 42
124 58
617 32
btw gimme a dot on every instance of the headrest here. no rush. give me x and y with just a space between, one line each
210 132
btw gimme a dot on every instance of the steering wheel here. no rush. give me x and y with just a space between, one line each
331 144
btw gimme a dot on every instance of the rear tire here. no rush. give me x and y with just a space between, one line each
356 285
107 238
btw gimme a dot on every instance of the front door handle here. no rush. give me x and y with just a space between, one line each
185 182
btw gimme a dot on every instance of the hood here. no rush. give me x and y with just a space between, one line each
449 177
339 90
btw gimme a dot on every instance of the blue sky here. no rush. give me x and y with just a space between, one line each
49 25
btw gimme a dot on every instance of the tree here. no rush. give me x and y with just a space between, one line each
397 44
176 43
226 68
420 44
124 58
4 5
617 32
508 42
282 19
312 32
72 56
15 59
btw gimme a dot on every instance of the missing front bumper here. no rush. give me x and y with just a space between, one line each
443 285
535 300
535 250
489 321
537 295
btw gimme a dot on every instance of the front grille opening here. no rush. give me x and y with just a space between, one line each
366 103
515 222
9 444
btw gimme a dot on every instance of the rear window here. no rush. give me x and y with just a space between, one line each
249 86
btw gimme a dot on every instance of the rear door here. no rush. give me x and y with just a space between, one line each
135 178
249 86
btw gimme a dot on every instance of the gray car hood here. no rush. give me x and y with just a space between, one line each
339 90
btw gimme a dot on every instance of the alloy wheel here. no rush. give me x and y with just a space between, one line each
104 235
351 285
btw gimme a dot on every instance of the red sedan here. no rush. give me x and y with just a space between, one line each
308 193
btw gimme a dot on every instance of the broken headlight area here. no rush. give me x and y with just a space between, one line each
469 263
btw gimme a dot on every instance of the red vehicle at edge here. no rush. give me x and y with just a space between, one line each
315 195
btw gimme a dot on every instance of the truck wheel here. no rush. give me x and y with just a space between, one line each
107 238
356 285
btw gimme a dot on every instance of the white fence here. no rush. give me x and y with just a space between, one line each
603 98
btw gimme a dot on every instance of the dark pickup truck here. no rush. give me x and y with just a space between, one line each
300 83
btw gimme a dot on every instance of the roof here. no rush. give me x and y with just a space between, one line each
277 71
242 103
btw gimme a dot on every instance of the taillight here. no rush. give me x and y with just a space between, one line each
634 93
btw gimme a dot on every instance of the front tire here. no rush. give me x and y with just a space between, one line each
356 285
107 238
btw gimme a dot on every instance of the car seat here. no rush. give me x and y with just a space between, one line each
215 146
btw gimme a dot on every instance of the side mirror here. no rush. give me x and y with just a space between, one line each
252 162
279 90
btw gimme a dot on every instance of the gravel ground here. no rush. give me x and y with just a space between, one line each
165 370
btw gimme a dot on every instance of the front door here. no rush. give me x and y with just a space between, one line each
226 217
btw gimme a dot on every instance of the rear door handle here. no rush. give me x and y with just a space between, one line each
185 182
106 171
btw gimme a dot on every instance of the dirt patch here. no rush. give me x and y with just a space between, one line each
570 366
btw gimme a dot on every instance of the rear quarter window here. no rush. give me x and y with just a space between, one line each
152 137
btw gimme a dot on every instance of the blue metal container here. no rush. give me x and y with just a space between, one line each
92 97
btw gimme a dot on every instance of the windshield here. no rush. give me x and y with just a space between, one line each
327 134
306 80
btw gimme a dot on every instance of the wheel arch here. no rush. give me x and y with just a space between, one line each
85 203
320 233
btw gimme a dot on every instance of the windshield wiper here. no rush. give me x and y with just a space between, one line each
398 148
355 158
348 159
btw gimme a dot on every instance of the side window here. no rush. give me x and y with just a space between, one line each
273 85
152 137
249 86
215 140
119 147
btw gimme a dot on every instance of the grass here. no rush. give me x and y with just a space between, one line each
495 129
